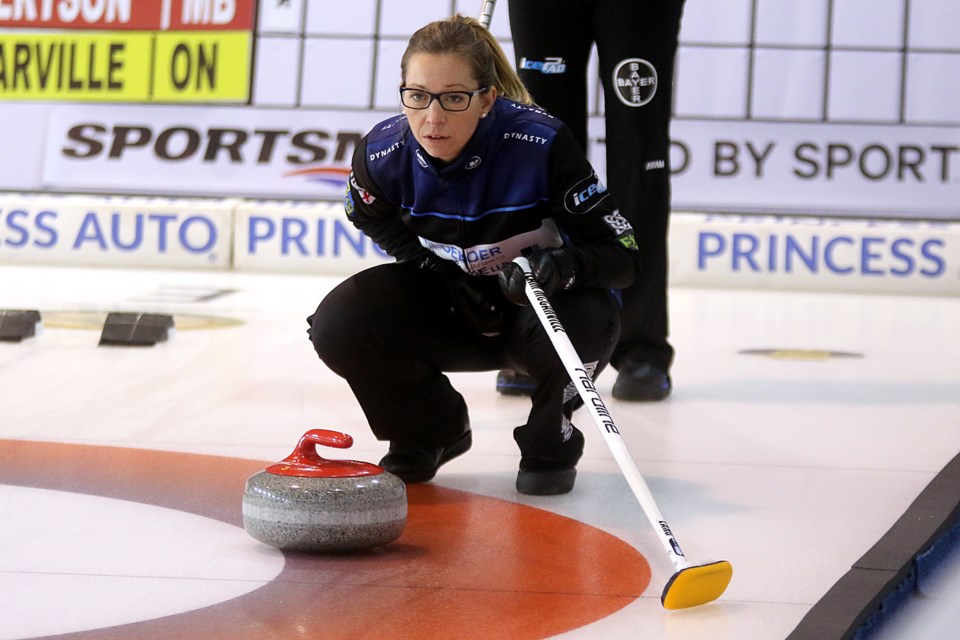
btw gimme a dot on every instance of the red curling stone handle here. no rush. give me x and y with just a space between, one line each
305 462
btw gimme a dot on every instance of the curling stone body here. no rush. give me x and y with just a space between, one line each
307 503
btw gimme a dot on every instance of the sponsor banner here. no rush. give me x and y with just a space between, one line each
815 254
276 153
114 231
135 15
201 54
300 237
135 66
706 250
809 168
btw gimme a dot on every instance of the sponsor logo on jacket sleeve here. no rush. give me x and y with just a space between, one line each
585 195
366 196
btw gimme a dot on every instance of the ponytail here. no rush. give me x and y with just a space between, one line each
466 37
507 82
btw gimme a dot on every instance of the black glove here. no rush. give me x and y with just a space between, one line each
554 269
468 296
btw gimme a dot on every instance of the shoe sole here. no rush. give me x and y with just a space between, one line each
546 483
515 385
458 448
515 390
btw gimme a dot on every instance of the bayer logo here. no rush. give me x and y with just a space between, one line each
635 82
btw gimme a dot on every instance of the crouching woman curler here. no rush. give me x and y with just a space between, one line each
469 177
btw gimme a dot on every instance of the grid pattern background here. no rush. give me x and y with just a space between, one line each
891 62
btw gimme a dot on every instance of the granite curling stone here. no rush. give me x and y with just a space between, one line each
308 503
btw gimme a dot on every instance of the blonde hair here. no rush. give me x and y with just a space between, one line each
464 36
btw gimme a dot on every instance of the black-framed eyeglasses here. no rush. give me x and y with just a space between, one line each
449 100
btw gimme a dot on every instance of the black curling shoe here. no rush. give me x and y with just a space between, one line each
639 382
550 471
541 478
415 464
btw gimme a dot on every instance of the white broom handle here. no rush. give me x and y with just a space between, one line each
486 12
601 416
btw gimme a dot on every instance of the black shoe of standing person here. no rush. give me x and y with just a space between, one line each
416 463
639 381
514 383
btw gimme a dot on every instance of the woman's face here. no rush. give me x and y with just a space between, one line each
443 134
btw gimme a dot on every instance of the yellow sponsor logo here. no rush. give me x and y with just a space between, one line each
75 66
112 66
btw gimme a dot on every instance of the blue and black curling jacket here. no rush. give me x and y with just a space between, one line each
520 185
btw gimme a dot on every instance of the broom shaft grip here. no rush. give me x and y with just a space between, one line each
486 13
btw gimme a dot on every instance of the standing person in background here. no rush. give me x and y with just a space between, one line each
637 44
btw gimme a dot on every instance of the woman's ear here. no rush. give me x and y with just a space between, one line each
489 97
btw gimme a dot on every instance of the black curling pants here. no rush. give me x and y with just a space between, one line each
391 333
632 37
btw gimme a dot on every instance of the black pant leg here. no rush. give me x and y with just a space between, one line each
591 320
637 137
390 332
633 38
549 29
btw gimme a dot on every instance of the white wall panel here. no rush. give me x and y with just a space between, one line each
868 23
327 17
276 80
788 84
851 99
337 72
